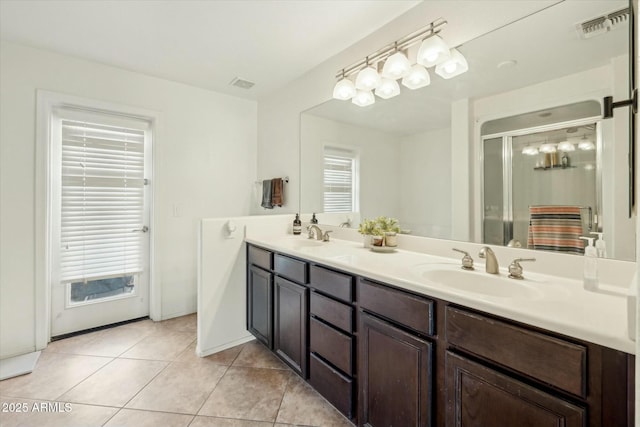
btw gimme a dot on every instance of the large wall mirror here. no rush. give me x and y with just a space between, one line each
537 81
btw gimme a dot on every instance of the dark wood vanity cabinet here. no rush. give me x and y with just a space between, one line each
259 300
386 357
290 324
395 364
331 337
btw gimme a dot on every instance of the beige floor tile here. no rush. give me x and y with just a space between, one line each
136 418
72 344
61 414
303 405
256 355
160 346
54 375
181 387
201 421
248 393
116 383
224 357
186 323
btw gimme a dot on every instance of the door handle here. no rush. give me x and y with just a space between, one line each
144 229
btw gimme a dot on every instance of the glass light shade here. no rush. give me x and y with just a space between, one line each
548 148
418 77
344 89
566 146
388 89
529 150
396 66
585 144
363 98
367 79
433 51
454 66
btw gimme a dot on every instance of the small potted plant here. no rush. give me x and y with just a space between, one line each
390 229
369 228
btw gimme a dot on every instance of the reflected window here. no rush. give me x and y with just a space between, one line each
340 180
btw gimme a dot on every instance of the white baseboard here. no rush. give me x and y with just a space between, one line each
18 365
216 349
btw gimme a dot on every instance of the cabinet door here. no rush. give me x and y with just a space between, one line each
259 304
480 396
290 324
394 369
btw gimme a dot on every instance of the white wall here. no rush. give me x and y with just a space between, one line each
205 163
379 164
425 183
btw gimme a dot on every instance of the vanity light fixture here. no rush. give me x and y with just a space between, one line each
388 89
418 77
586 144
566 146
433 51
454 66
344 89
529 150
363 98
548 148
368 78
394 64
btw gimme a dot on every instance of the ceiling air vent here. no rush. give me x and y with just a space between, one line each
602 24
241 83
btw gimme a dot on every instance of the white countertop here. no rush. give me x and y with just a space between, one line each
557 304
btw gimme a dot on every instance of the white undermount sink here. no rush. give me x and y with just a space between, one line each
479 283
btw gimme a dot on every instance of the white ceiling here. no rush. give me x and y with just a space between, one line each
202 43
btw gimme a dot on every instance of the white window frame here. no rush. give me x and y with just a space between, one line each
354 154
45 180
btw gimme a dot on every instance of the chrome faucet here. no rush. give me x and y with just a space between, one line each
314 229
491 265
515 269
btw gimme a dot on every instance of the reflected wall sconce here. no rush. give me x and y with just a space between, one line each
378 72
586 144
566 146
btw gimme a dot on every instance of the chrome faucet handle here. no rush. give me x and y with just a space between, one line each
515 269
325 236
467 261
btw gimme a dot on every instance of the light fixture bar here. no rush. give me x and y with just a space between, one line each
399 45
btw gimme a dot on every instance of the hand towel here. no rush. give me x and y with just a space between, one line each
555 228
277 192
266 194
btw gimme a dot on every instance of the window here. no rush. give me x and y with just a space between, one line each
340 180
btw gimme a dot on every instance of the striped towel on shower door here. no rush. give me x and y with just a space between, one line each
555 228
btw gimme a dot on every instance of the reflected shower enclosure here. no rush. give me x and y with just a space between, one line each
554 165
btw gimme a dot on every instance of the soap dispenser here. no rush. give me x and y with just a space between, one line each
314 220
590 265
601 245
297 225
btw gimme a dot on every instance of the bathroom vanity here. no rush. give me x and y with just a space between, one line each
413 352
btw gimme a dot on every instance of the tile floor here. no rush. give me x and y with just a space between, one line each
147 374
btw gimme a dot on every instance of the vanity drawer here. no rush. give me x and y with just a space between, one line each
332 345
338 314
334 386
260 257
548 359
332 283
400 307
290 268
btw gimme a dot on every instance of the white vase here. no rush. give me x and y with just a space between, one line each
367 239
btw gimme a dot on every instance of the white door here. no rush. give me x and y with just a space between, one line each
100 213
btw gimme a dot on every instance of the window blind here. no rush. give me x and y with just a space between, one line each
102 201
339 180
